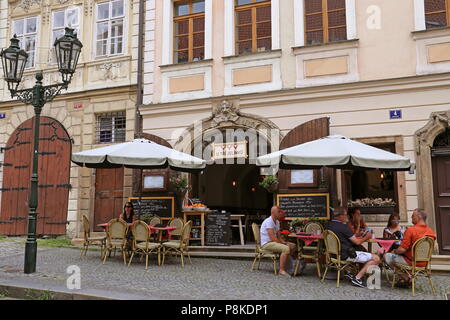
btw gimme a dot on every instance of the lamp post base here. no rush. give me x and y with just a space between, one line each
30 256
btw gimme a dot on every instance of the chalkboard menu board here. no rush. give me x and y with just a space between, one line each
298 206
160 206
217 229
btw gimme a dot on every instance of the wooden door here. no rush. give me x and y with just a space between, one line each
441 180
108 195
53 174
309 131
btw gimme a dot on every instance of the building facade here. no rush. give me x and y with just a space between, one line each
286 72
98 109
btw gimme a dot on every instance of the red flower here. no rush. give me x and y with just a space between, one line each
282 218
285 232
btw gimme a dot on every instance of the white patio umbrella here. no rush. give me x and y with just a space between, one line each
335 152
138 154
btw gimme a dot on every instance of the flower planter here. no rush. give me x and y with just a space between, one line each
272 188
377 210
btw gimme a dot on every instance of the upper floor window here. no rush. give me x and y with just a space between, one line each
325 21
26 31
437 13
189 26
110 28
68 17
253 26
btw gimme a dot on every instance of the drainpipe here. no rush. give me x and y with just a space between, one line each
140 87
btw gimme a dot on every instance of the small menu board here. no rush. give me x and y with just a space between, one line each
161 206
298 206
217 229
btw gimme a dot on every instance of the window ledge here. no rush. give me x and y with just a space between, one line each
329 46
264 55
186 65
431 33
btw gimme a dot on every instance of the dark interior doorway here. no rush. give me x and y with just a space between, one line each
234 188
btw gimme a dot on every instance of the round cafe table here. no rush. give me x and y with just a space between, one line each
384 244
160 231
307 240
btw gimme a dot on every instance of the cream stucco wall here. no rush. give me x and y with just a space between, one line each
106 84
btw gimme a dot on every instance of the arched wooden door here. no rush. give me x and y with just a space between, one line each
309 131
53 186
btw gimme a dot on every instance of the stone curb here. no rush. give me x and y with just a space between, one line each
27 291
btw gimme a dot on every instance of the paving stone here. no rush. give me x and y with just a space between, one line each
206 278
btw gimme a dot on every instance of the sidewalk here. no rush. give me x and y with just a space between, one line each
206 278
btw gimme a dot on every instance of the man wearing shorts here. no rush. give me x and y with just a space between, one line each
348 240
271 238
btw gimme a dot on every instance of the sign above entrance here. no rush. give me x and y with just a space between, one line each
230 150
395 114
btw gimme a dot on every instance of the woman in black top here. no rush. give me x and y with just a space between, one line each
128 213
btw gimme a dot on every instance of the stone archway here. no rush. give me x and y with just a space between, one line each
424 139
226 114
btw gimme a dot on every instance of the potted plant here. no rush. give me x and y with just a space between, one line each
270 183
298 225
146 217
373 205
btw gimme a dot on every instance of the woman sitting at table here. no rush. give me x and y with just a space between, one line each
357 225
128 213
394 231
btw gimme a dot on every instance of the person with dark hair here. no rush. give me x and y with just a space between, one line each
403 254
348 243
128 212
394 231
355 222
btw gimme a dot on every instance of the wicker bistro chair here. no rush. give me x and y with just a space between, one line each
313 227
141 242
333 255
88 240
154 221
178 223
308 252
422 250
116 237
181 246
260 252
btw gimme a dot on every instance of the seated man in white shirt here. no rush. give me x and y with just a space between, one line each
271 238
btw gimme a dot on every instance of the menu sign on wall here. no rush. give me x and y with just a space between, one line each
303 206
231 150
217 229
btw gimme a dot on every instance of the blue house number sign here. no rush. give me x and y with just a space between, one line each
395 114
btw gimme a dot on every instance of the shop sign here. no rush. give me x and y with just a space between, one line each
231 150
77 106
2 115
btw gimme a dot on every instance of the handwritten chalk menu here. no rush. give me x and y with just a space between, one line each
217 229
305 205
160 206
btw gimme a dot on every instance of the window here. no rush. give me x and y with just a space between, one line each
111 127
26 31
253 26
437 13
189 31
110 28
325 21
69 17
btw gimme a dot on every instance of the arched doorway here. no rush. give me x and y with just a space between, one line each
53 172
440 154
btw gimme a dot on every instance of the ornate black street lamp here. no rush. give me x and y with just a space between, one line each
14 59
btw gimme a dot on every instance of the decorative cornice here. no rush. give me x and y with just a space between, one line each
25 4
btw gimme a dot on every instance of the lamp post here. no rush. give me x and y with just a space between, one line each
68 49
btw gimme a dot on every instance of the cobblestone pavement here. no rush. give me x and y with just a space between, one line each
204 279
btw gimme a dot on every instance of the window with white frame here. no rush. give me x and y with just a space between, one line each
68 17
437 13
111 127
109 39
26 31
